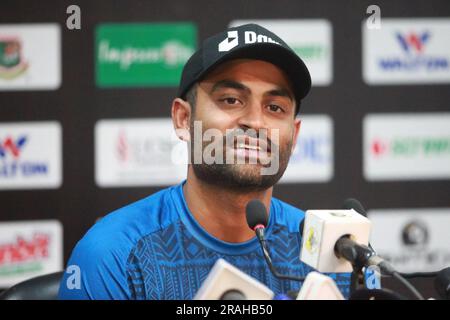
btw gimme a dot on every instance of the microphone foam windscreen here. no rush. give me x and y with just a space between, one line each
355 205
256 213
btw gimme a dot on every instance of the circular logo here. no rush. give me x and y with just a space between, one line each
311 241
415 233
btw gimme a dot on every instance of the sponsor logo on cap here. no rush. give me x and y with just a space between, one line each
250 37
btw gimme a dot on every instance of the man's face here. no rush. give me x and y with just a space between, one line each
256 97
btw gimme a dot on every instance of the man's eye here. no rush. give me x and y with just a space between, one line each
230 100
275 108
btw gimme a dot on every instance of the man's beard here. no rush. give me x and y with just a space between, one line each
242 178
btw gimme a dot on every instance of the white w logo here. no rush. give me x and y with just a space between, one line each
230 42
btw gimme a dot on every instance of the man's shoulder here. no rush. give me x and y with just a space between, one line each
122 228
103 254
288 214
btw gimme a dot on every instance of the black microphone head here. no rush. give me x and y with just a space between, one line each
442 283
256 214
232 294
354 204
301 227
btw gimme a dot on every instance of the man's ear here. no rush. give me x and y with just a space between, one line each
181 118
297 125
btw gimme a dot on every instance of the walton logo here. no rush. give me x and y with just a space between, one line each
414 59
413 41
250 37
16 166
14 148
11 61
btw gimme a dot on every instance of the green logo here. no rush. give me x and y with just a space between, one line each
426 146
143 54
11 61
412 146
310 51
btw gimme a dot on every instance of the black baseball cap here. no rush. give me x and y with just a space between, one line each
249 41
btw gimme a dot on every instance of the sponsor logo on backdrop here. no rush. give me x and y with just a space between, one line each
30 155
407 146
30 56
138 153
311 39
312 159
143 54
407 51
413 240
12 63
29 249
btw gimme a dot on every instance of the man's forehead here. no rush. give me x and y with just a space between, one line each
242 70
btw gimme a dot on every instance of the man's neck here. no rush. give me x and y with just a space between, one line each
219 211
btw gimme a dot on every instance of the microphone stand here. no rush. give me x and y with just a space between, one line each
357 279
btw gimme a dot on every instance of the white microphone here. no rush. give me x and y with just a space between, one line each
319 287
324 230
226 282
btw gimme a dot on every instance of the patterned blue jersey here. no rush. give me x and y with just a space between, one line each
155 249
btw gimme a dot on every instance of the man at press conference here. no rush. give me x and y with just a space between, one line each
247 84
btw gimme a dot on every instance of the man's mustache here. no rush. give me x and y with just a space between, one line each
251 137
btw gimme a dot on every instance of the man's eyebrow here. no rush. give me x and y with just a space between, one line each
229 84
278 91
281 92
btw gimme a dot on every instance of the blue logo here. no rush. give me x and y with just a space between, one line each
313 149
413 46
12 163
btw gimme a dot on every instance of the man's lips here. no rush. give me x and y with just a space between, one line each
250 143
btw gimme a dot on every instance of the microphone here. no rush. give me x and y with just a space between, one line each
352 203
442 283
257 220
226 282
319 287
233 294
329 235
333 234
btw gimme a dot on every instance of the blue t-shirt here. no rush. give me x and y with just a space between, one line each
155 249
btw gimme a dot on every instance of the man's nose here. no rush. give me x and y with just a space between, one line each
252 117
